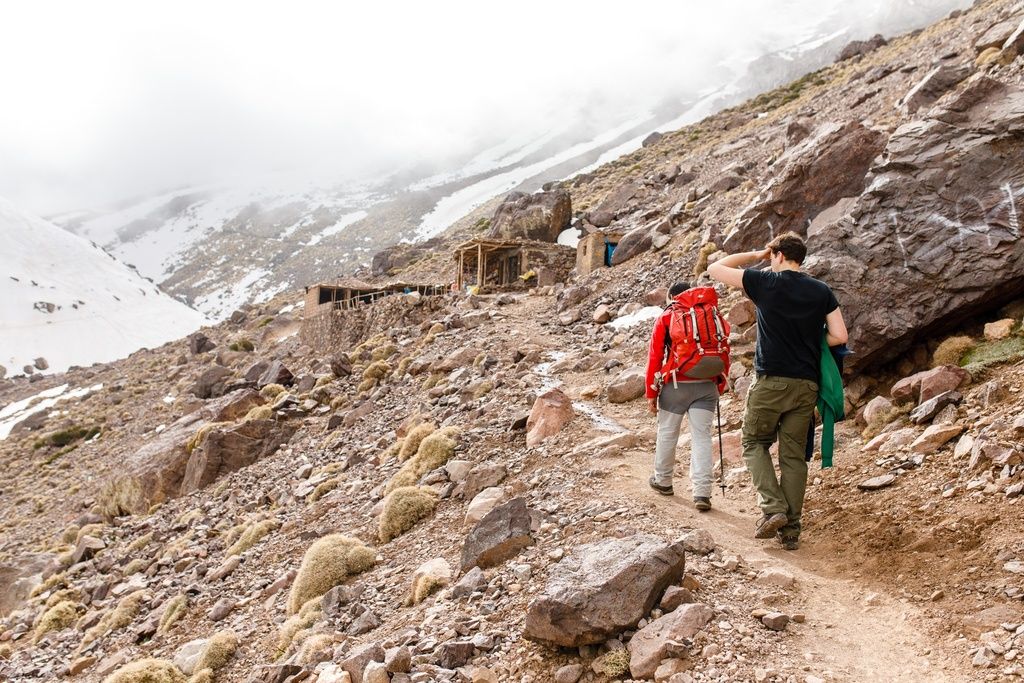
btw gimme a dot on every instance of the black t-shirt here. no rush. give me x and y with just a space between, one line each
791 310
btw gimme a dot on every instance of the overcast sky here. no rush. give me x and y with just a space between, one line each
101 101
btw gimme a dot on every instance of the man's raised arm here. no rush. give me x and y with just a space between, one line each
730 269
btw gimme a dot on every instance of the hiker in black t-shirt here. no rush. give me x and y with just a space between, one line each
792 310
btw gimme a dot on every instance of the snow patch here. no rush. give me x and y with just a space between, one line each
644 314
13 413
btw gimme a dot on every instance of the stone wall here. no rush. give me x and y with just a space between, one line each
341 329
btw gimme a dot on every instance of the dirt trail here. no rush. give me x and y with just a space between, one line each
853 633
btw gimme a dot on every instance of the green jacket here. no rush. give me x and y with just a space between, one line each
831 403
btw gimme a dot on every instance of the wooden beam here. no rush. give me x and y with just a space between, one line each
480 267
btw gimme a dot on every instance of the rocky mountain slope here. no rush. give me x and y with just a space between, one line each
219 247
66 302
454 488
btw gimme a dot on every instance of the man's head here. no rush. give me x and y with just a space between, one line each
677 289
787 251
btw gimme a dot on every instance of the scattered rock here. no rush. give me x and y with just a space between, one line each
876 483
665 637
500 535
551 412
627 385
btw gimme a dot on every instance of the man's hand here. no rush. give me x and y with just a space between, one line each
652 405
728 269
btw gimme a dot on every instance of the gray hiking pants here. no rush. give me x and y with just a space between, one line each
697 401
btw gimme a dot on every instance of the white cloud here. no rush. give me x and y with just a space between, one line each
105 100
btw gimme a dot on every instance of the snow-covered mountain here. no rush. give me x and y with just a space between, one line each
219 247
67 301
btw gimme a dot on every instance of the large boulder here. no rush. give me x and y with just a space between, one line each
500 535
814 175
550 413
613 204
666 637
232 448
938 230
231 407
154 472
540 216
602 589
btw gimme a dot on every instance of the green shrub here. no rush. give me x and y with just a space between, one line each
242 345
989 353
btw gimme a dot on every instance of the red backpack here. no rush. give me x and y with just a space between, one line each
697 338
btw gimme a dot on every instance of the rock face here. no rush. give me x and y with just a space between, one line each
664 637
602 589
232 448
539 216
502 533
163 468
551 411
814 175
937 228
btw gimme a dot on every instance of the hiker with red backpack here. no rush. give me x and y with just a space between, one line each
798 318
687 366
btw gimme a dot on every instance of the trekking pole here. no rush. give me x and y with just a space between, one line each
721 451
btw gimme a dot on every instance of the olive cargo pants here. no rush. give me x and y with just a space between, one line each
779 407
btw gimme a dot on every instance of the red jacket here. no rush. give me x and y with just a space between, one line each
656 354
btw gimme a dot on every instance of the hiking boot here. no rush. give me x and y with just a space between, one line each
665 490
769 524
702 503
790 542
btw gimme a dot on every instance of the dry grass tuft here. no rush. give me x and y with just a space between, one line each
61 615
377 370
403 507
433 452
218 650
259 413
141 542
147 671
272 391
197 439
316 648
383 352
951 350
117 618
327 563
135 566
306 616
322 489
706 250
414 438
172 612
252 535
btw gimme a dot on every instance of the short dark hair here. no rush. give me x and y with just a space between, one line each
677 289
790 245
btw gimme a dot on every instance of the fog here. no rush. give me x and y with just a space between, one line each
105 101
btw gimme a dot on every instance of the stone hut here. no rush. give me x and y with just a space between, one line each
594 251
